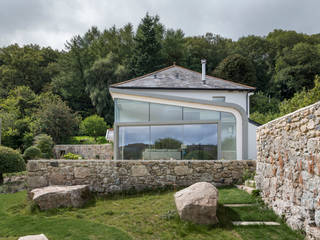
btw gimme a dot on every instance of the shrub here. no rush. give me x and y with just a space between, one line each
72 156
55 118
45 143
10 161
247 175
32 153
93 126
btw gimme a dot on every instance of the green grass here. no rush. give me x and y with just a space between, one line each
140 216
15 174
85 140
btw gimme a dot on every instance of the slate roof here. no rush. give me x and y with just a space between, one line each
176 77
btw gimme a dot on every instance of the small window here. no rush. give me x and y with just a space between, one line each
219 99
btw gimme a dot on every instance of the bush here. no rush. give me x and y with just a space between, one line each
93 126
45 143
55 118
32 153
72 156
10 161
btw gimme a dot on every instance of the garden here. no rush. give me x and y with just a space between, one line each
150 215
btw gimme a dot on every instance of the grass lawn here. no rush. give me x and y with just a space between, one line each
141 216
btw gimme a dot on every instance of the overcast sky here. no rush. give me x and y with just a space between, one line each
52 22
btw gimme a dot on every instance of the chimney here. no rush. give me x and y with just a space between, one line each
203 62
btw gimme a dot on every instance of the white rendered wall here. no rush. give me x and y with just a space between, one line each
237 97
252 142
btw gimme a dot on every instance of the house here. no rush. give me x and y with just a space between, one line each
177 113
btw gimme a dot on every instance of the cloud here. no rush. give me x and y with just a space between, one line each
53 22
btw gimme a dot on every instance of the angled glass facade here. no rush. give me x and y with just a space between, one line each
151 131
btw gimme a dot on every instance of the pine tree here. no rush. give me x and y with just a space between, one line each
147 55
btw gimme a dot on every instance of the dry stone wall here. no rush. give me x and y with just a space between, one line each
288 168
113 176
90 151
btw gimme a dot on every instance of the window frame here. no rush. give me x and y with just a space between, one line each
219 97
175 122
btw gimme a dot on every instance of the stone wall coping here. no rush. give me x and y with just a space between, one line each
133 161
76 145
288 115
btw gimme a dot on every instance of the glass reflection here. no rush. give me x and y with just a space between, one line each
166 142
132 142
200 142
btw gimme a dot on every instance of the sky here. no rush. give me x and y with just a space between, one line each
53 22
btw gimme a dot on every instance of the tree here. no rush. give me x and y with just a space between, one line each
262 103
16 112
256 49
238 69
28 65
146 56
93 126
55 118
174 47
99 77
10 161
296 69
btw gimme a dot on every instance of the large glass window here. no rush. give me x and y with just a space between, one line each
166 142
174 141
131 111
162 112
200 142
133 141
228 136
200 114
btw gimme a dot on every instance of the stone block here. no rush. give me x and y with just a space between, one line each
60 196
139 171
198 203
36 182
182 170
81 172
34 237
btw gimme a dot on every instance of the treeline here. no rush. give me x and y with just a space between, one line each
76 80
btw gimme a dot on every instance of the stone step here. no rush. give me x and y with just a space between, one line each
245 188
244 223
240 205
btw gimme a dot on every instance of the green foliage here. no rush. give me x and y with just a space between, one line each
45 143
93 126
32 153
16 114
238 69
85 140
260 102
263 118
10 161
299 100
247 175
72 156
146 56
296 69
55 118
99 77
29 65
